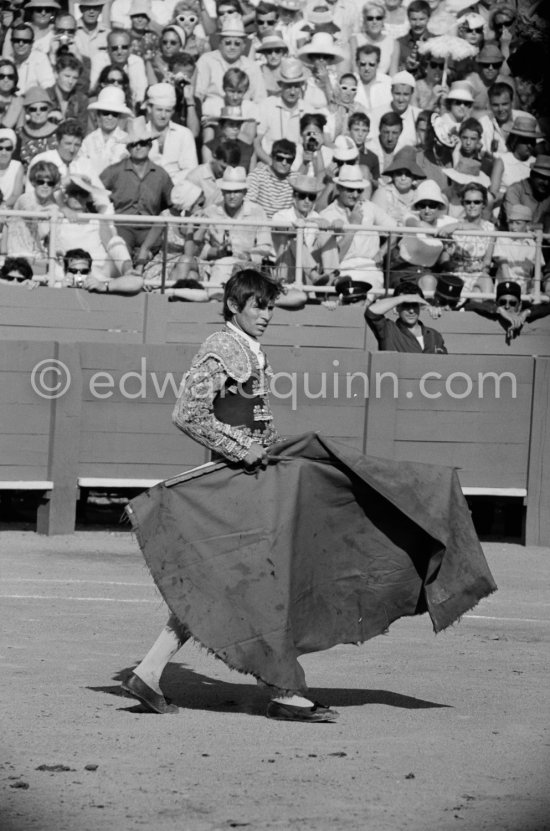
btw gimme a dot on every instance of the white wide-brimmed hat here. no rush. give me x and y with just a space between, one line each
234 178
112 99
322 43
304 184
184 195
137 131
291 71
272 41
420 251
429 191
460 91
350 176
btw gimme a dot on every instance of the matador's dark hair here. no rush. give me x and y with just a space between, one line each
249 283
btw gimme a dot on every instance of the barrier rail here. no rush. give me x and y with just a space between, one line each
297 231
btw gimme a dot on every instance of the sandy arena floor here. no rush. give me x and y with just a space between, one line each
435 733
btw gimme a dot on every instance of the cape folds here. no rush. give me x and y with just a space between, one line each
325 546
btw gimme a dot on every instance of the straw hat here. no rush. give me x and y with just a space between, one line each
161 95
231 114
233 26
472 20
345 149
322 43
527 126
137 131
95 3
272 41
291 5
184 195
43 4
405 159
350 176
234 178
319 12
542 165
429 191
460 91
111 98
291 71
468 172
305 184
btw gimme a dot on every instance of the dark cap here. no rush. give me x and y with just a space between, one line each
508 287
408 287
448 288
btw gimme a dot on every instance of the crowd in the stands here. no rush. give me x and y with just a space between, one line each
318 114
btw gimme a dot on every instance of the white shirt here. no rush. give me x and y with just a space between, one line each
209 72
277 121
89 42
291 217
179 152
35 71
82 167
364 247
102 150
375 95
407 137
162 12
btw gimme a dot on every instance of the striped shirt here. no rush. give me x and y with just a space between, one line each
268 191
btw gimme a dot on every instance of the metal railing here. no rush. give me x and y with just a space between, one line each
389 233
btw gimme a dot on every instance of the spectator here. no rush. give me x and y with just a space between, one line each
78 266
355 254
281 114
207 175
235 85
11 105
389 134
118 54
174 147
408 333
533 192
212 66
470 149
396 196
105 145
16 271
159 64
515 258
458 103
113 76
67 101
500 119
428 90
344 105
522 149
374 90
40 14
489 63
144 37
436 156
508 309
31 237
410 59
33 66
63 43
137 185
187 15
272 49
305 189
359 126
37 133
313 157
231 120
91 35
402 89
344 152
224 247
268 185
320 55
12 177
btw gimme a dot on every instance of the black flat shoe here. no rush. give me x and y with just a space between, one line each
289 712
152 701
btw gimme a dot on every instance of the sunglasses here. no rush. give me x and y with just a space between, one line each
503 303
118 82
231 42
90 9
141 143
427 204
78 270
15 278
291 84
286 159
493 65
42 11
36 108
353 190
402 172
436 64
311 197
7 147
275 51
477 31
48 182
21 40
122 48
7 75
345 88
107 113
60 31
372 17
454 102
472 201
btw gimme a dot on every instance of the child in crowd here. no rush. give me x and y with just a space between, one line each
359 127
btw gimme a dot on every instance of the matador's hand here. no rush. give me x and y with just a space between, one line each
256 456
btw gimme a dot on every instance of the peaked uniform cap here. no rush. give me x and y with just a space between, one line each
508 287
